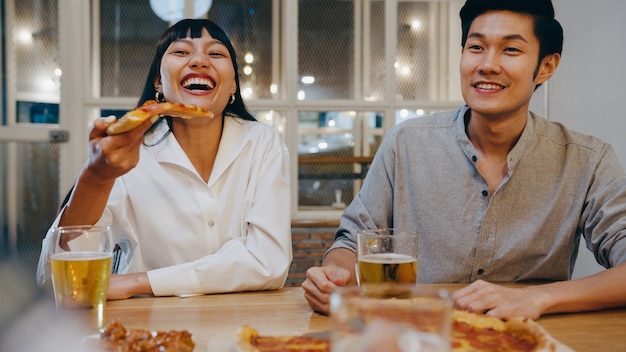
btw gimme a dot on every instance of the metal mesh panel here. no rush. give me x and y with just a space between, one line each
130 29
36 49
413 50
249 26
36 172
274 118
374 88
325 49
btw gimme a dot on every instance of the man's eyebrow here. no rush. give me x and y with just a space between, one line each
506 37
476 35
515 37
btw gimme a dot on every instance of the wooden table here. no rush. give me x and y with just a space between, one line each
214 319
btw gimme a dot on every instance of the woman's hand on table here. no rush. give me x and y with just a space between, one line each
320 282
128 285
499 301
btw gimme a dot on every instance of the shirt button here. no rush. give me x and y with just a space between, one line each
211 223
474 158
480 271
485 193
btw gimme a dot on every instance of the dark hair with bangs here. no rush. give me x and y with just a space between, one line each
192 28
547 29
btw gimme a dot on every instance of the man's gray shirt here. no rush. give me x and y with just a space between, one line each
559 184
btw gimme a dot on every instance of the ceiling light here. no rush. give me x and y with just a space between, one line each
307 79
174 10
25 36
248 58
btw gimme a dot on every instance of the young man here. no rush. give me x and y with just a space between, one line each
496 193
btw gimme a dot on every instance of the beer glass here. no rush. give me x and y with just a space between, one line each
390 317
81 266
386 256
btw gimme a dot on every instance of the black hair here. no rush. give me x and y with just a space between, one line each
547 29
192 28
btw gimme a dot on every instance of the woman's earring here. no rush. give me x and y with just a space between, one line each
232 99
158 97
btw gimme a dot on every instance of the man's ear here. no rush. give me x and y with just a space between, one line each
547 68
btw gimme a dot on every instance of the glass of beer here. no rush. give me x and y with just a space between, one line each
390 317
386 256
81 267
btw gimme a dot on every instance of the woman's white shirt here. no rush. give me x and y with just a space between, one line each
193 237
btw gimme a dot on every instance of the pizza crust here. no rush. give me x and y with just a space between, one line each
244 339
152 109
527 328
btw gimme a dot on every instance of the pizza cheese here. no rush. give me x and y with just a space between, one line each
476 332
152 109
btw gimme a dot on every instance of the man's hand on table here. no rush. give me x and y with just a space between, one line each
320 282
499 301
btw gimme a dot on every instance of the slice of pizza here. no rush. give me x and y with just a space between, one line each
249 340
479 332
152 109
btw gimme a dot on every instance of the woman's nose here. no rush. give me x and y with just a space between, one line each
199 60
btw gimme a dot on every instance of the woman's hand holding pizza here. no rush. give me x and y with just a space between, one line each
113 156
114 144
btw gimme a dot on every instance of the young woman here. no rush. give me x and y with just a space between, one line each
196 205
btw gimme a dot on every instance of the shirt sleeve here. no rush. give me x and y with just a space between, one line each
604 217
372 207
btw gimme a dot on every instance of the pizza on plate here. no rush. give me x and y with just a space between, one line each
470 332
152 109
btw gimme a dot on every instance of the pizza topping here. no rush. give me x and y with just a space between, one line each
117 338
466 337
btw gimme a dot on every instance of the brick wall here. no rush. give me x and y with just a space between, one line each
310 239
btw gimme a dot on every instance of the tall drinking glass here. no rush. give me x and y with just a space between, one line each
81 267
390 317
386 256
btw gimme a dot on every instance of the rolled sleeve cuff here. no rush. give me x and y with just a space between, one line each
341 244
178 280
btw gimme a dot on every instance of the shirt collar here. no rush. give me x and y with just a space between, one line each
232 143
523 144
525 141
